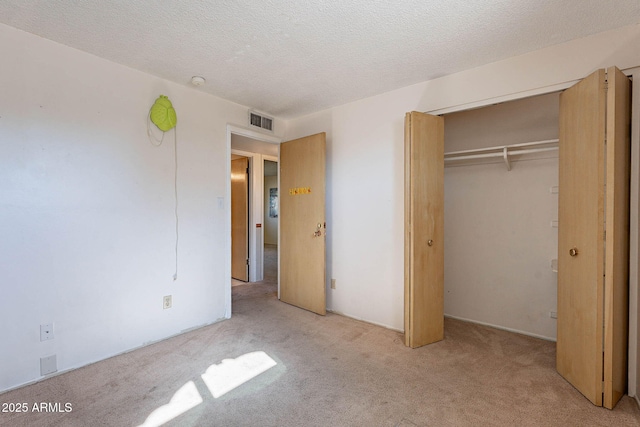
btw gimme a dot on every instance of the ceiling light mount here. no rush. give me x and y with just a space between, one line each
197 80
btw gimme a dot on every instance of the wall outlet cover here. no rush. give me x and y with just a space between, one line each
48 365
166 302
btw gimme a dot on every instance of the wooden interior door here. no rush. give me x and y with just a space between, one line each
302 223
424 229
587 165
240 219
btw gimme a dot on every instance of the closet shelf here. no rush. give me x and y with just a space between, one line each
504 151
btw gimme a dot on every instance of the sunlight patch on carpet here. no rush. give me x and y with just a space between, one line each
231 373
186 398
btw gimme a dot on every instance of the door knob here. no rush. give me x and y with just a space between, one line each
318 231
573 251
430 242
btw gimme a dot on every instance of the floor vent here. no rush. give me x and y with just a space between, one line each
261 121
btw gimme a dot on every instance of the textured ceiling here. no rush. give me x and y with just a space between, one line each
289 58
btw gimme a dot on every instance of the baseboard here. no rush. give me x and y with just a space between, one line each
491 325
637 400
382 325
503 328
73 368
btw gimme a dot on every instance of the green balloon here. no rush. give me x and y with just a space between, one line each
163 114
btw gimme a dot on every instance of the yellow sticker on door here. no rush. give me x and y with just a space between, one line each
299 190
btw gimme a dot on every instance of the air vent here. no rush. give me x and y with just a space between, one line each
261 121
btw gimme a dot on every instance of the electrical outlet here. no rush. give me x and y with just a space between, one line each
166 302
333 283
48 365
46 332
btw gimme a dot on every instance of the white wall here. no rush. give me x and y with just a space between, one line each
87 208
499 244
365 161
247 144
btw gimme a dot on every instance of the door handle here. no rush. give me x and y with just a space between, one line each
430 242
318 231
573 251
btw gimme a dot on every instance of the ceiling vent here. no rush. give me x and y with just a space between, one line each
261 121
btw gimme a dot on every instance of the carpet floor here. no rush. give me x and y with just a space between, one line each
315 370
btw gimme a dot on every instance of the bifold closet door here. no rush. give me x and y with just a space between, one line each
424 229
616 296
594 180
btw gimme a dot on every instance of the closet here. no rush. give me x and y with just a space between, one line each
591 185
593 236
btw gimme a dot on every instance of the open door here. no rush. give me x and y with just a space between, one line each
593 231
302 223
424 229
240 219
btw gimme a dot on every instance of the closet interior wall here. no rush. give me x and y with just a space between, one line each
501 226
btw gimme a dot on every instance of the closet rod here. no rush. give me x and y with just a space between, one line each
503 151
502 147
498 154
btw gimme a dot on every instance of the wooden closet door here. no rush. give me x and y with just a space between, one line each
590 173
616 297
424 229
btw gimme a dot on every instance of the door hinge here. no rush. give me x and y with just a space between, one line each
248 263
247 170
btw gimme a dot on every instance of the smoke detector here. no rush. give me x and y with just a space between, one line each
197 80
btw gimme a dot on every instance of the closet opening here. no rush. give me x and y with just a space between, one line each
538 239
501 215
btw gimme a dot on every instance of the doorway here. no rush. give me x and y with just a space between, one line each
303 160
501 227
500 233
255 148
